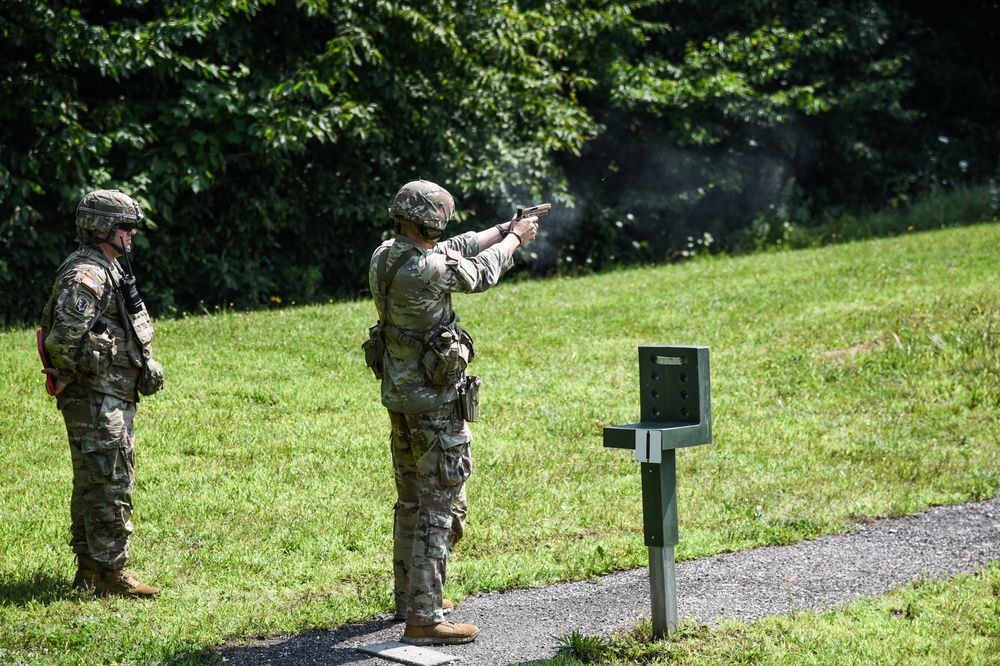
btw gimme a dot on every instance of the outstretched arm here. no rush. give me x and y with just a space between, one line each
493 235
524 231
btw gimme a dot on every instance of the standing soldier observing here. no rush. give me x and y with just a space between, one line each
420 353
95 337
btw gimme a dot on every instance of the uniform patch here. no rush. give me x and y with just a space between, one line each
468 272
91 283
81 305
452 256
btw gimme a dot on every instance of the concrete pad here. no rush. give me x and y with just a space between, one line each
408 654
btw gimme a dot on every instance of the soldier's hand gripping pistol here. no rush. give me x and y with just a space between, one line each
531 211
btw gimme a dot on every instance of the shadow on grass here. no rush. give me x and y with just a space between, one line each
313 647
38 587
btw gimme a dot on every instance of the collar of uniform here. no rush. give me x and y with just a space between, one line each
405 243
100 258
94 253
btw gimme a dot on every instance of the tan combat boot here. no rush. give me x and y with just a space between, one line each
86 572
446 607
445 633
120 583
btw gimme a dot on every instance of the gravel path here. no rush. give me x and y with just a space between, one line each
521 626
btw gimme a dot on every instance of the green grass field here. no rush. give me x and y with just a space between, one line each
849 382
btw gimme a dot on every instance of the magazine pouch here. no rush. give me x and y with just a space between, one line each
374 348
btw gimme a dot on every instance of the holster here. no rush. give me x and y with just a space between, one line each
468 398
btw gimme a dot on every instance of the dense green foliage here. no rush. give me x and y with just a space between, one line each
265 138
739 118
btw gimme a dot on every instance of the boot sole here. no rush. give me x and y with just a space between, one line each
438 641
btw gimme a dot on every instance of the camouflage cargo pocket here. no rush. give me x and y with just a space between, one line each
96 352
438 543
111 428
117 466
456 464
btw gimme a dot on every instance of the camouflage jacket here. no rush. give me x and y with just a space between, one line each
419 300
90 337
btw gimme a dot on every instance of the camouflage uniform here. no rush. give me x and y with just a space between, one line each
430 440
104 355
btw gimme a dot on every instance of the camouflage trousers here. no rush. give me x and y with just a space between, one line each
101 444
432 459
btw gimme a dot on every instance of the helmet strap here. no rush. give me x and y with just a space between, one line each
128 263
429 234
121 248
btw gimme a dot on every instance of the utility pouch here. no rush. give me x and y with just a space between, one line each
447 355
468 398
150 378
374 348
97 350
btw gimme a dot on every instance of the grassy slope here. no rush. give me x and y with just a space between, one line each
848 382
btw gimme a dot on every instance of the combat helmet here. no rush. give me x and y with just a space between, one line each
423 203
103 210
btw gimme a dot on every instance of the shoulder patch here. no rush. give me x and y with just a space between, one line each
468 272
81 306
452 256
92 283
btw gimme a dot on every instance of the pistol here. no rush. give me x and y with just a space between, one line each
534 211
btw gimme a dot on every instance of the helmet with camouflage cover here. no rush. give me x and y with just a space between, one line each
103 210
423 203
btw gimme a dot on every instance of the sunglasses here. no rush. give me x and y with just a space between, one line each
126 226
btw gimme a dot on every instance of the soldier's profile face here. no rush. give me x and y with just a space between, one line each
125 237
122 237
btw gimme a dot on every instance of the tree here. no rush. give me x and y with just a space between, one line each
261 135
265 138
732 113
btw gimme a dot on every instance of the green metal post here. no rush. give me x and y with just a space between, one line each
675 408
659 516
